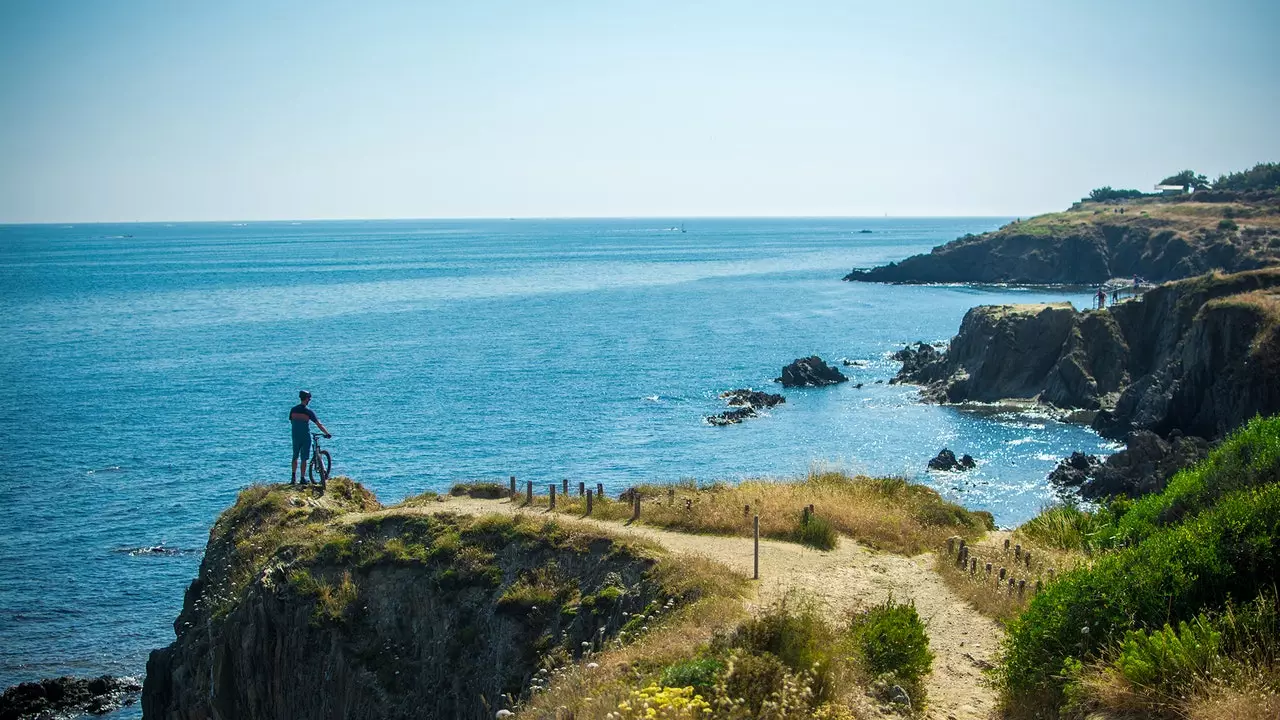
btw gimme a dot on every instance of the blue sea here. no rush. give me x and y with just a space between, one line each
146 373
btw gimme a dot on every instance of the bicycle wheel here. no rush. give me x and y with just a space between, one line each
320 465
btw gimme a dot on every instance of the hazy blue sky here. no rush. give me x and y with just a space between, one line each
164 110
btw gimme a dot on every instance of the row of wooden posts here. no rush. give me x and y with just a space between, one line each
1021 557
584 491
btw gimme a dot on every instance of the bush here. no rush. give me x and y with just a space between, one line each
754 679
891 639
1263 176
1228 225
1064 527
1230 551
816 532
1106 193
699 674
481 490
1247 458
1169 659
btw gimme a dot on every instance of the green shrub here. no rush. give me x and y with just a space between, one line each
1228 225
1230 551
816 532
1247 458
754 680
794 632
891 638
1170 659
483 490
699 674
1065 527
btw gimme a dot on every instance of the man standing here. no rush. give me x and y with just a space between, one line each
301 417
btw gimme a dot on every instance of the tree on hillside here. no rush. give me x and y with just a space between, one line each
1263 176
1187 177
1106 192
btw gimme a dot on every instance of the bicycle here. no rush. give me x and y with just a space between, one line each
321 462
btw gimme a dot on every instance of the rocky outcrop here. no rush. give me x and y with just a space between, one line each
67 696
751 398
1145 465
810 372
1093 243
331 606
946 461
746 404
1200 356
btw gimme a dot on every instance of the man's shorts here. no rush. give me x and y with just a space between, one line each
302 449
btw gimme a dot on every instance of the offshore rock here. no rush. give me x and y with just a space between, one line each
68 697
747 402
946 461
810 372
921 363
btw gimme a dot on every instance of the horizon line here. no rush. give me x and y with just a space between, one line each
683 218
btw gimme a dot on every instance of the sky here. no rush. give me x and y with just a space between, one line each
171 110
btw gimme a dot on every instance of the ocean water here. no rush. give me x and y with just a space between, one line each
146 372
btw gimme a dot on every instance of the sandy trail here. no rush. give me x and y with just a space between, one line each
843 579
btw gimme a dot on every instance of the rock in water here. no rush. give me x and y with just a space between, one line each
810 372
1075 470
68 697
752 398
747 403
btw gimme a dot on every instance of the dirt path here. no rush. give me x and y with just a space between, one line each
843 579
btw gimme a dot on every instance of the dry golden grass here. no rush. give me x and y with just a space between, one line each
884 513
580 692
985 590
1105 693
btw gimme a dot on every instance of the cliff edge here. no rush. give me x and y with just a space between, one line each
331 606
1198 356
1158 239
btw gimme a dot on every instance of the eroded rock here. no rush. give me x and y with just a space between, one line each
68 696
810 372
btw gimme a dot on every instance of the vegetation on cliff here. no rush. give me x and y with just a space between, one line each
315 604
1234 226
1169 606
884 513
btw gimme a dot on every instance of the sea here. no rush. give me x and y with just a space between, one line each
147 371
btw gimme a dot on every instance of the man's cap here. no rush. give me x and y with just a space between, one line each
304 394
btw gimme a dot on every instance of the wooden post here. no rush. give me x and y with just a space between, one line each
804 516
988 569
688 503
671 496
600 490
553 496
635 510
1017 550
528 492
746 510
513 486
1006 544
755 531
582 489
589 498
951 545
973 566
1003 572
566 486
1027 556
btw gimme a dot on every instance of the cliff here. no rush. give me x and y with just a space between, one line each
1201 356
331 606
1092 242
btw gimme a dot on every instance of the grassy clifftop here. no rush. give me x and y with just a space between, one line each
1169 608
1156 238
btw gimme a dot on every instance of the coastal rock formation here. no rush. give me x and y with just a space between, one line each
946 461
810 372
1200 356
1093 242
68 697
1144 466
746 403
331 606
751 398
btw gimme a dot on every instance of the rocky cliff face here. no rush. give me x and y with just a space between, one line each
1095 242
1201 356
310 606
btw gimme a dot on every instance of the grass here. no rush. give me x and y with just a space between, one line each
1182 556
884 513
